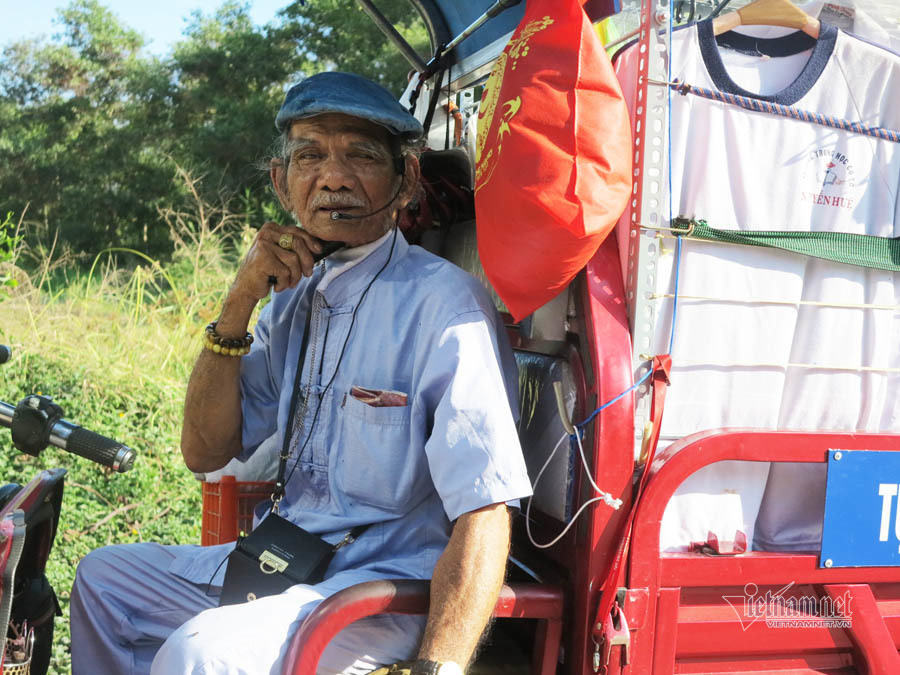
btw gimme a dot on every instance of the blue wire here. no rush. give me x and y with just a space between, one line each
613 400
678 239
675 298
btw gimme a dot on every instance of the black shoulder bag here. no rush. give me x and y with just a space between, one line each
279 554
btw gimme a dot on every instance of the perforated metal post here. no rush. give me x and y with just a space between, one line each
648 197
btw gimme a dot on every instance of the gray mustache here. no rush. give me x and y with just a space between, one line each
333 200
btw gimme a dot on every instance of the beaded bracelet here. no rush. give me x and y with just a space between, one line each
226 346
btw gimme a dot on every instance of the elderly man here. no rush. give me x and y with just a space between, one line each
403 422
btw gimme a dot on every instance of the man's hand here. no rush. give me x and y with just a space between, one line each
211 434
269 258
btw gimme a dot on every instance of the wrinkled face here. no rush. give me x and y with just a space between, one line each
341 163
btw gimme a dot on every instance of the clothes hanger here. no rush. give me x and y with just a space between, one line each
768 13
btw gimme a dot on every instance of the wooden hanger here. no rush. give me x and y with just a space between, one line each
768 13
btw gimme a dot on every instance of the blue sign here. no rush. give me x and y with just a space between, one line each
862 509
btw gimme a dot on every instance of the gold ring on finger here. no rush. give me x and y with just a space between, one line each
286 241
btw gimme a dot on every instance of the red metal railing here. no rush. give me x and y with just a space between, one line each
404 596
684 623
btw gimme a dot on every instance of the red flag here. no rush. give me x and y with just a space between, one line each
553 163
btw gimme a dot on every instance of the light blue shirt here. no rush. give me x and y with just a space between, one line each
424 328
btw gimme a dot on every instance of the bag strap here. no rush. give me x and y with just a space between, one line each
278 490
351 536
861 250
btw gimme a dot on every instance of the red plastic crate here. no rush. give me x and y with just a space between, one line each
228 508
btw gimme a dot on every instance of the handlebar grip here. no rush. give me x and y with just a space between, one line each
99 449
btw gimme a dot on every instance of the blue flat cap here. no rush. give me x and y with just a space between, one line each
349 94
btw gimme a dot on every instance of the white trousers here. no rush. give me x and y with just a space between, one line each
131 616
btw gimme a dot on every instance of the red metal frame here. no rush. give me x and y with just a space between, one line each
12 532
37 489
686 625
405 596
674 604
612 434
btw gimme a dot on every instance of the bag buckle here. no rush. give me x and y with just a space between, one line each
277 493
269 563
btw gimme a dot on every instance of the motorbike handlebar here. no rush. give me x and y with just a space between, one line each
92 446
30 436
37 422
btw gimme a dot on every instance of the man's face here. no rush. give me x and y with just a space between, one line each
341 163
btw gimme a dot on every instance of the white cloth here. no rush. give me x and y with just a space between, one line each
752 347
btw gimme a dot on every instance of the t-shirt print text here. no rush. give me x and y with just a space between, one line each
829 180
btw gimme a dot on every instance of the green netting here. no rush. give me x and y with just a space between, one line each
862 250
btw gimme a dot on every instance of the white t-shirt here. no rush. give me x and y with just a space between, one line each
765 338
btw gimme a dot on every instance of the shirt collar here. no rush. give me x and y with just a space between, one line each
348 270
344 259
789 44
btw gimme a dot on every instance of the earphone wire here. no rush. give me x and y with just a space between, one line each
337 215
365 292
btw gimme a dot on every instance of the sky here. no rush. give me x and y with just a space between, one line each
160 21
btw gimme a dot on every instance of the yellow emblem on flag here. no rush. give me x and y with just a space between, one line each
490 140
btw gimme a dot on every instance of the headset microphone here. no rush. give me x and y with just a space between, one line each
337 215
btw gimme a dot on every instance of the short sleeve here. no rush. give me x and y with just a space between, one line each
473 450
259 389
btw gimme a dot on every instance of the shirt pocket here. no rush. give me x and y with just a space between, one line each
376 465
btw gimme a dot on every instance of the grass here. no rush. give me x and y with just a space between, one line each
113 343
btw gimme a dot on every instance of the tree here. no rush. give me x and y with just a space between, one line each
338 35
92 128
68 142
231 77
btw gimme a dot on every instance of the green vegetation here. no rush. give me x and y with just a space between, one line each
91 125
114 347
8 242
